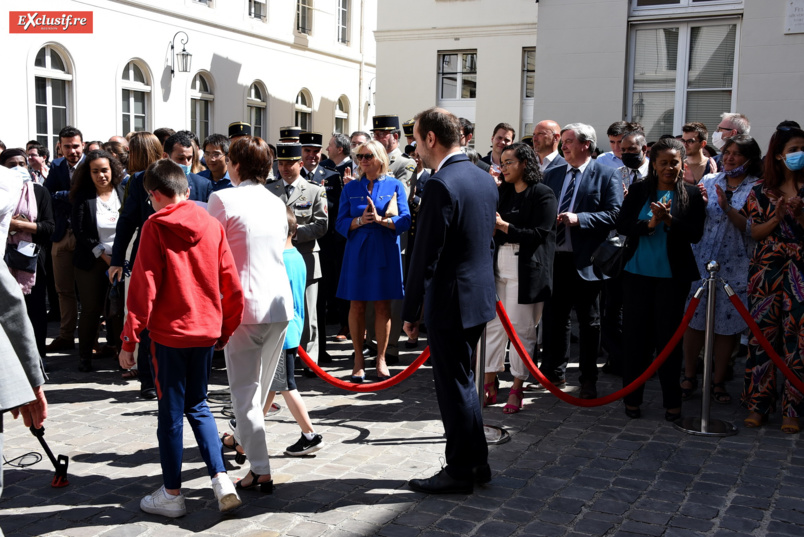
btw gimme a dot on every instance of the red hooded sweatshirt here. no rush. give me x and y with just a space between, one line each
184 287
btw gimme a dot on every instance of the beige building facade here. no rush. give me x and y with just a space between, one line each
659 62
269 62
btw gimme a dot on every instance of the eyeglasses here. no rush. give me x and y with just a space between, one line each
690 141
724 129
507 163
364 156
214 155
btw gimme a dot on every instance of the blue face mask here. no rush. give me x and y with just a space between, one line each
185 168
794 161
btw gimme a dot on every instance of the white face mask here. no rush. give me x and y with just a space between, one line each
717 140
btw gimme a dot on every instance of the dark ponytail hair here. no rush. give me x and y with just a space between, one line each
667 144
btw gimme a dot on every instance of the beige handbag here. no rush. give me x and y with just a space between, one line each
393 207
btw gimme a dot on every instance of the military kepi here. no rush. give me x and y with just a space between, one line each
407 127
239 128
385 123
311 139
288 151
289 133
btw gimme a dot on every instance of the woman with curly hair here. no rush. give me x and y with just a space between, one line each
524 241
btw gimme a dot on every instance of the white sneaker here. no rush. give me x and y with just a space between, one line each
225 493
161 503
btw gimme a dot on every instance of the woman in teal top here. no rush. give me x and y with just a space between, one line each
661 217
372 262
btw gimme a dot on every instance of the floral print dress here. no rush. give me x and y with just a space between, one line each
776 295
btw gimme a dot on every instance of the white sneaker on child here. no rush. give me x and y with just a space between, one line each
225 493
162 503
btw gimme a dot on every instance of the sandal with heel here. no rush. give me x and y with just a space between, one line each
721 397
240 458
790 425
687 393
513 409
491 399
266 487
755 419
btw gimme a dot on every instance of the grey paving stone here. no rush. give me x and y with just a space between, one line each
394 530
454 525
640 528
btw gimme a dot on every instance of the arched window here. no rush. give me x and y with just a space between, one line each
135 99
257 105
52 88
201 98
304 111
342 115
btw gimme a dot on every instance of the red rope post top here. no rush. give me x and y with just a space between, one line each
600 401
372 387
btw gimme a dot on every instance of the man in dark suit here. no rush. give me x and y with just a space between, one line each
504 135
452 274
58 183
589 199
546 136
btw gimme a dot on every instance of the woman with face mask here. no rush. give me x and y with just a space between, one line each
776 279
724 241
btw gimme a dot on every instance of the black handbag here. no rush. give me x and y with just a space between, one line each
609 257
19 261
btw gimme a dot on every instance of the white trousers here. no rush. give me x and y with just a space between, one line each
524 317
310 335
251 358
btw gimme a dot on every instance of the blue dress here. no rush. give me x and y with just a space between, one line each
372 262
726 244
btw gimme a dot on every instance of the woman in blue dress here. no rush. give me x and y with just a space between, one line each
724 240
373 213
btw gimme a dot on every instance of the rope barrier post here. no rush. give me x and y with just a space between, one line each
704 426
494 435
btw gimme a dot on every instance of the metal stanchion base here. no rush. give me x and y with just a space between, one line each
496 435
716 427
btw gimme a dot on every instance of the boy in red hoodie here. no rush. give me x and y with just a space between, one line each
185 289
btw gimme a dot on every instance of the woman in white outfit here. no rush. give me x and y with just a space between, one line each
256 228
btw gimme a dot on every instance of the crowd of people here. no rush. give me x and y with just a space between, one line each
284 240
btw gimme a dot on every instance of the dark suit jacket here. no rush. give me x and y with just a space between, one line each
85 228
536 239
597 204
331 181
58 184
686 228
484 163
558 161
45 223
452 267
137 208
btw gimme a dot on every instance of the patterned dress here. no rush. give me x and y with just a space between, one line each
726 244
776 293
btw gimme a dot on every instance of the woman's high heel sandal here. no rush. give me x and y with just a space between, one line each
790 425
755 419
240 458
491 398
266 487
513 409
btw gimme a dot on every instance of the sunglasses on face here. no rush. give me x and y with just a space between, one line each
364 156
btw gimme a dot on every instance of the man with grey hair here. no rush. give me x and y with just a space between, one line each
731 124
589 198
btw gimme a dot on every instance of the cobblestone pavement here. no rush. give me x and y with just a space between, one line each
566 471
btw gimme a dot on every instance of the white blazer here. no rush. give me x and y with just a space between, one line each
256 227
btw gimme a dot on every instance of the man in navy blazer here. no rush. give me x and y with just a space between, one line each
452 274
58 183
589 198
546 136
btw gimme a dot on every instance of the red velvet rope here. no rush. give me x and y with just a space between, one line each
600 401
371 387
763 341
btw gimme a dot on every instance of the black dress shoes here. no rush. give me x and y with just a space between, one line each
588 390
442 483
482 474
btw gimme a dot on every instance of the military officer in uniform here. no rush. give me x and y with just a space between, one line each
407 128
238 129
309 204
385 129
287 135
315 172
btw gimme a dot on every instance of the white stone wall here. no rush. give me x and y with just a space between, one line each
233 48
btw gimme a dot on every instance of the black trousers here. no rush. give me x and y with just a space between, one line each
571 291
451 349
652 310
611 322
36 304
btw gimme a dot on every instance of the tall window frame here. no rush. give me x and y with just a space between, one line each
528 90
202 98
258 9
342 115
681 79
342 18
303 110
457 75
256 108
304 17
135 101
53 98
